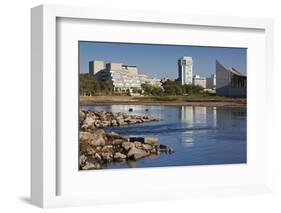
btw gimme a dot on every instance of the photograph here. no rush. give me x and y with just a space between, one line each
161 105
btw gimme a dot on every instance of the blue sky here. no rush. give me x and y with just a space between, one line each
161 60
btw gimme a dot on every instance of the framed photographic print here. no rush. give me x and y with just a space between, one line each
148 105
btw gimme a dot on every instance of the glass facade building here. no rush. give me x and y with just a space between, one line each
185 65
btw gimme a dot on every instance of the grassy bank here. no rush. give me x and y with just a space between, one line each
191 98
195 100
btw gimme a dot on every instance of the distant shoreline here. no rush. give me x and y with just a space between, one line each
128 100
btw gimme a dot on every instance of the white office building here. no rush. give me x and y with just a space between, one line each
185 65
95 67
211 82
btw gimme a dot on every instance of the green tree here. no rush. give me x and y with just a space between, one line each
106 87
88 85
150 89
196 89
173 88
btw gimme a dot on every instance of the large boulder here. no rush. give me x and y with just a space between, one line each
120 121
96 138
97 156
88 123
82 116
147 118
82 159
114 122
119 156
105 123
127 145
137 144
137 153
89 163
147 146
107 148
117 142
107 156
86 148
113 136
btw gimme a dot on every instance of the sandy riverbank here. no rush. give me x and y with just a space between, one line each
106 100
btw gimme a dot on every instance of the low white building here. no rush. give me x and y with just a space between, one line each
123 77
199 81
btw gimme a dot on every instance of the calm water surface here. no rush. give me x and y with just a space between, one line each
200 135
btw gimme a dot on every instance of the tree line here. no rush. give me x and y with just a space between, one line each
89 86
170 87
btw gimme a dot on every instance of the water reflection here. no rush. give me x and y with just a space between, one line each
187 118
200 135
196 116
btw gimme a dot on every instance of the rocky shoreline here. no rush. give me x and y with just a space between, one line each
98 148
90 120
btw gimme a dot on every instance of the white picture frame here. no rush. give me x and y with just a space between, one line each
44 153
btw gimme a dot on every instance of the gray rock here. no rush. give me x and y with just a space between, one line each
98 123
117 142
119 156
107 156
137 153
107 148
114 123
153 150
82 159
90 165
137 144
151 140
121 122
95 139
82 116
88 123
105 123
133 121
127 120
86 148
113 136
98 157
147 146
127 145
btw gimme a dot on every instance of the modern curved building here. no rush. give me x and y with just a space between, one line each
230 82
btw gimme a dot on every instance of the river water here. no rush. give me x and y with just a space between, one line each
200 135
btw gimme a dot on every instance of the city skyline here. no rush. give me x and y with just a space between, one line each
160 61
